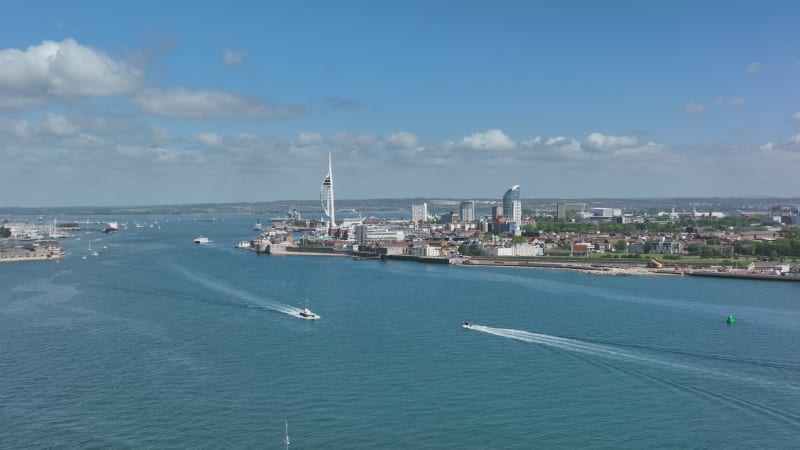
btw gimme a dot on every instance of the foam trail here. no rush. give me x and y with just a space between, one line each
611 352
250 299
578 346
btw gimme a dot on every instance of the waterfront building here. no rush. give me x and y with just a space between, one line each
326 197
467 211
426 251
516 212
370 234
419 213
512 206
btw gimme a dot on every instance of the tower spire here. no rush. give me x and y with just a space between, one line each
326 196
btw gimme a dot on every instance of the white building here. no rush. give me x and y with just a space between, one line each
516 212
606 213
419 213
367 234
468 211
427 250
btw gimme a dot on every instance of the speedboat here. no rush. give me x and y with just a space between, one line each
467 325
201 240
306 313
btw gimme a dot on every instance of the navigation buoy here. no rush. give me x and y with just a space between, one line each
730 319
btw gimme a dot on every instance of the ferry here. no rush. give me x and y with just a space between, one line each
201 240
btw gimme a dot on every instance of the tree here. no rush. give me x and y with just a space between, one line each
621 246
5 232
647 246
693 248
518 239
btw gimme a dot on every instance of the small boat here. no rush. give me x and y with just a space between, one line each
286 440
201 240
306 313
467 325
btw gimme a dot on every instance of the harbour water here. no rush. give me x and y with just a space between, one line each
158 342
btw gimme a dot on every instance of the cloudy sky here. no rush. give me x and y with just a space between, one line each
139 103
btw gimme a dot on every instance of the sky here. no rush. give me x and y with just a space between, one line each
169 102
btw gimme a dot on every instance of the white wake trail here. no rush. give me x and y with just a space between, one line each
611 352
247 298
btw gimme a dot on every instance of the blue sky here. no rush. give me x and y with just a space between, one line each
105 103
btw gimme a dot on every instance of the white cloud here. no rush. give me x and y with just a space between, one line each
602 143
694 108
61 69
16 130
736 101
305 139
353 139
162 136
796 116
58 125
790 146
183 103
210 139
11 101
403 139
493 139
754 67
233 58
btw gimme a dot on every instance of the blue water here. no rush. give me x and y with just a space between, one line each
162 343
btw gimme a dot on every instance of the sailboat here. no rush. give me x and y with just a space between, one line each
286 440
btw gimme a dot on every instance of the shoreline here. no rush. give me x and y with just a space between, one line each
582 267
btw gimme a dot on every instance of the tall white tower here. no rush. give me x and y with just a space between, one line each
326 196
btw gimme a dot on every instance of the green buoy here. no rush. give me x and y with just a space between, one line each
730 318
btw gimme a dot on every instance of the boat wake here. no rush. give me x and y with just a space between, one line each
588 350
246 298
617 352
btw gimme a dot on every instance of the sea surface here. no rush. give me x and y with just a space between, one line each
158 342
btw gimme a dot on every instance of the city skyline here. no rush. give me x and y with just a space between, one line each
179 103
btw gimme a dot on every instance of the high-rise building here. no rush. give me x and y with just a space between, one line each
497 211
451 217
419 212
561 210
512 206
516 212
468 211
326 197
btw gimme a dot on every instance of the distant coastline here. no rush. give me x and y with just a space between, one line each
392 205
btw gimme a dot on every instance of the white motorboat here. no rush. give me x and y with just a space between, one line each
467 325
306 313
201 240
